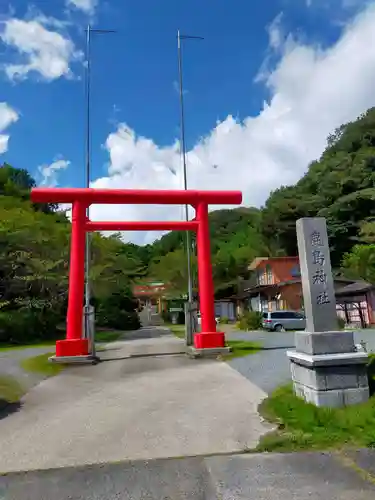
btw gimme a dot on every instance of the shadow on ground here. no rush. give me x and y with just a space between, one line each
7 408
146 333
147 355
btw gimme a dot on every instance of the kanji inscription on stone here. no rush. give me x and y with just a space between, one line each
319 277
322 298
316 275
316 239
318 257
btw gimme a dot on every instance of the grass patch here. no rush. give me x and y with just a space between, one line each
107 336
40 364
100 336
17 347
241 348
177 330
10 389
303 426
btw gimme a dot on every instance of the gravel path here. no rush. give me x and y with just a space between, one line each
269 368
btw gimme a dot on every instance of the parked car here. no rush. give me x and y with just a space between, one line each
278 321
199 318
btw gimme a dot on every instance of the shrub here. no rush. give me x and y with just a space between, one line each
224 320
117 311
250 320
28 325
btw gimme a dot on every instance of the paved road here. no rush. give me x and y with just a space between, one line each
143 402
10 364
301 476
269 368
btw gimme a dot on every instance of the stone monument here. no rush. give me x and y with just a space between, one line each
326 367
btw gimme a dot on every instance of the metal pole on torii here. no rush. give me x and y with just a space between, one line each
189 337
89 31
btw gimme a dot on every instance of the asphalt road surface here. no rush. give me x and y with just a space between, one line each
269 368
301 476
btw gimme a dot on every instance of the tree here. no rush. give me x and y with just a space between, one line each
339 186
235 240
34 264
172 270
360 263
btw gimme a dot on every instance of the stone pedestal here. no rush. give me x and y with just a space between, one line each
213 352
327 370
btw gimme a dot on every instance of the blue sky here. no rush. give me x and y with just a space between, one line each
257 89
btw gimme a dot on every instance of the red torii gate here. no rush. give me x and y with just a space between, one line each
75 344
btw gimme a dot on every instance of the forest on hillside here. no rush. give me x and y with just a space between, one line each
339 186
34 241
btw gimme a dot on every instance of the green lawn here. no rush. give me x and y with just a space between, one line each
40 364
108 336
15 347
100 337
241 348
177 330
304 426
10 389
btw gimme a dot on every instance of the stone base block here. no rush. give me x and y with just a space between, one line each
75 360
336 359
332 380
207 353
327 378
324 343
334 398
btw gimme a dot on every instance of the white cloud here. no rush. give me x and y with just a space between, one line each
7 116
275 32
312 91
87 6
49 173
42 48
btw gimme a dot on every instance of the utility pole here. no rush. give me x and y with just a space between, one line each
89 32
189 339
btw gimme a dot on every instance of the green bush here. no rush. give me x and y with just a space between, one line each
341 322
117 311
250 320
224 320
28 325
